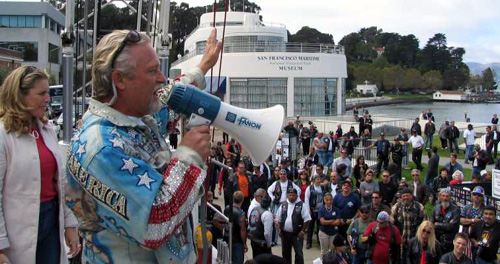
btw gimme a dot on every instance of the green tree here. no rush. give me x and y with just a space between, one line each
311 35
435 55
413 79
350 42
393 77
380 62
432 81
488 81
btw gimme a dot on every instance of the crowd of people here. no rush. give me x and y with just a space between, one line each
359 213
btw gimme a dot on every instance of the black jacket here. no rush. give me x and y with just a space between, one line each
447 225
415 251
453 132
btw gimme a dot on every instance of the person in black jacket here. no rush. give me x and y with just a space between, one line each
439 183
383 148
398 152
432 167
453 134
485 236
416 127
446 219
424 240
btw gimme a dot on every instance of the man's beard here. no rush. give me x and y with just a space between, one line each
154 106
406 202
445 204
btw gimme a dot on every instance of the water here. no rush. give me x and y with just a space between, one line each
478 113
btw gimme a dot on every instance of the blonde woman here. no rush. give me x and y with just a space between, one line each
424 247
34 220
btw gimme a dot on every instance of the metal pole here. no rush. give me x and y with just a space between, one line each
139 14
68 39
150 17
164 38
84 70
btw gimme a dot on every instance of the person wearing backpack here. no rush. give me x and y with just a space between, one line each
383 240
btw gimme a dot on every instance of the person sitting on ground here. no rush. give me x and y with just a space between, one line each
458 177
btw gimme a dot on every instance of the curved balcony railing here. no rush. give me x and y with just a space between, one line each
245 47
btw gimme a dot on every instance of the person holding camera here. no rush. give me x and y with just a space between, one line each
485 236
355 233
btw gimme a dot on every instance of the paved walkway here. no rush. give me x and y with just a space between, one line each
309 254
444 160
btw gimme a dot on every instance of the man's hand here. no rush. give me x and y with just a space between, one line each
301 235
4 258
212 51
198 139
353 251
72 241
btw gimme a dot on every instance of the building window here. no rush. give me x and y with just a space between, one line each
20 21
256 93
315 96
29 50
53 53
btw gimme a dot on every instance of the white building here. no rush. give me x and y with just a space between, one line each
367 88
33 29
260 68
451 96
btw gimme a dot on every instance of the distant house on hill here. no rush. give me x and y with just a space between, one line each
450 96
379 50
367 88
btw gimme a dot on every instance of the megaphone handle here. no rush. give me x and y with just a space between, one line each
196 120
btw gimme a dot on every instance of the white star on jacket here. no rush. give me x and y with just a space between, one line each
81 149
145 180
116 143
129 165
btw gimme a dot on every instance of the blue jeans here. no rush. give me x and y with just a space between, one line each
480 261
360 257
468 150
238 254
328 159
48 248
428 139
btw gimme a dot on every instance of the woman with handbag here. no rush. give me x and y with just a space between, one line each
34 220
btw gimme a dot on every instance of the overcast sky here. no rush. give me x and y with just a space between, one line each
472 24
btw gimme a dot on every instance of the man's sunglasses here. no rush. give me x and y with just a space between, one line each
132 37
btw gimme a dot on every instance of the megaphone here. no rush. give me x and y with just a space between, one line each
257 130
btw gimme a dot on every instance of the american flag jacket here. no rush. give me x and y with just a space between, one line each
131 195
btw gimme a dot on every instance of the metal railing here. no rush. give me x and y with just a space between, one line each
245 47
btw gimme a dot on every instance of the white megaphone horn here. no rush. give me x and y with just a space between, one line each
257 130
